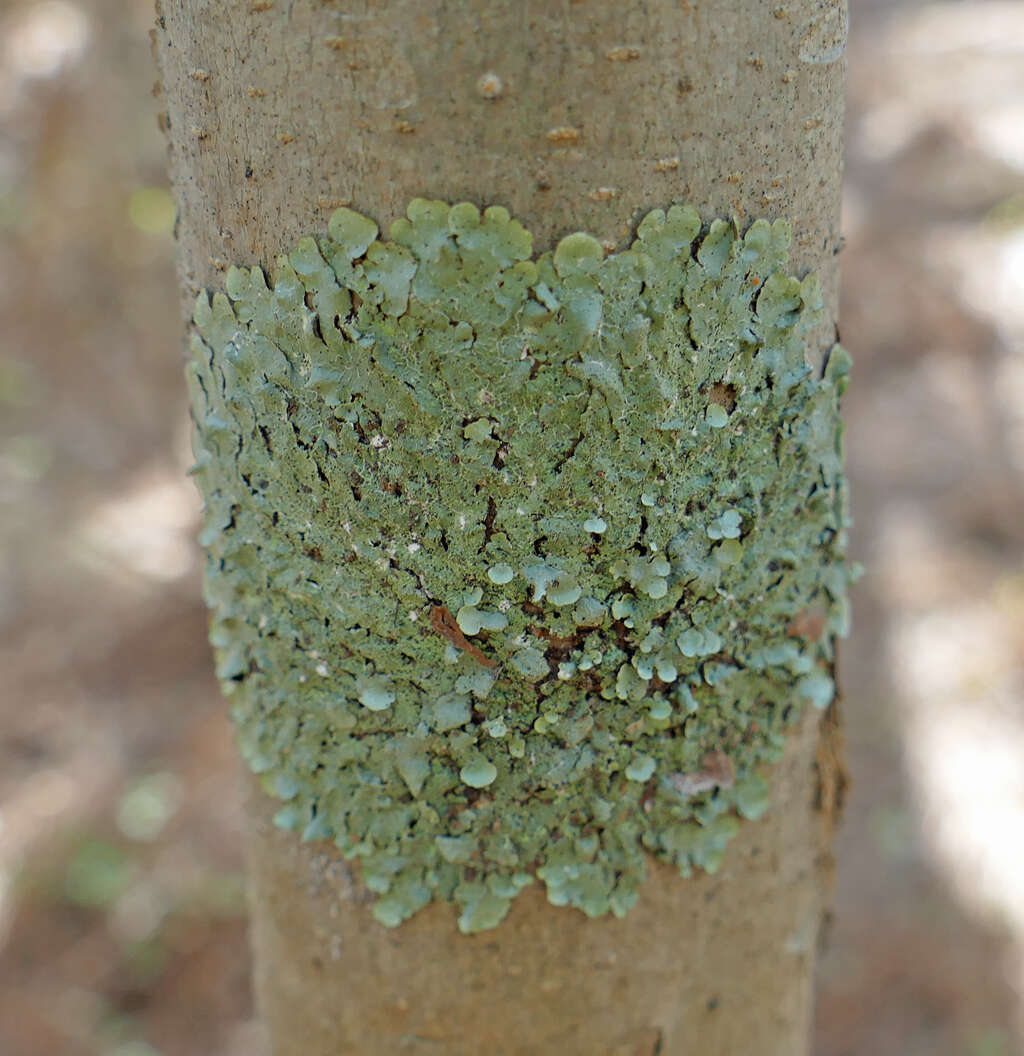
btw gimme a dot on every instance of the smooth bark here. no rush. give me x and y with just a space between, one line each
279 112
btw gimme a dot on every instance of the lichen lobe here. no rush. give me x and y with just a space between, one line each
511 558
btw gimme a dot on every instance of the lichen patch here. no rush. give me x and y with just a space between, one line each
520 566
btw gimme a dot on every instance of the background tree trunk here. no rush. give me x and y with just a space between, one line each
575 116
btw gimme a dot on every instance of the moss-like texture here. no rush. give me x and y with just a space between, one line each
519 567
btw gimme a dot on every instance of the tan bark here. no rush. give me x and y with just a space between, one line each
576 115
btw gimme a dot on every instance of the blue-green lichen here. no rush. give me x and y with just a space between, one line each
519 567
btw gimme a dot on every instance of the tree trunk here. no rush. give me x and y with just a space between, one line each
576 115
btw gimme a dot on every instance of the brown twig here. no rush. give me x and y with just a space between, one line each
444 623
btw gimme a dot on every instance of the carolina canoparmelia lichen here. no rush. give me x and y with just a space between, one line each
519 567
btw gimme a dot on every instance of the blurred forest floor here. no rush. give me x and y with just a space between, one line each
122 926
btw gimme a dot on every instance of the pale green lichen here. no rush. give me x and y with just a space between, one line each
479 774
439 654
501 573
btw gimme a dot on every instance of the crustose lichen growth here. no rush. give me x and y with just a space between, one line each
519 567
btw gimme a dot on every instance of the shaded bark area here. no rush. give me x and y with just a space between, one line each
278 112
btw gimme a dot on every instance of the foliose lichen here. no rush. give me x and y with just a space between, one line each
519 567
